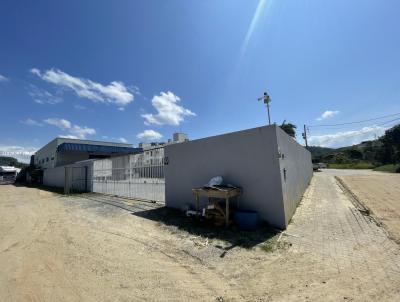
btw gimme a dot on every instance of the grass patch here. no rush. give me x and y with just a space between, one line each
392 168
359 165
268 247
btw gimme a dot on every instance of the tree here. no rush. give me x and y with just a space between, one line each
289 128
354 154
390 151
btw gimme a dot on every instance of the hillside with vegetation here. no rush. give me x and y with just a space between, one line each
11 161
382 154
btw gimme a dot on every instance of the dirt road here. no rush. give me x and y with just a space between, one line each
380 192
97 248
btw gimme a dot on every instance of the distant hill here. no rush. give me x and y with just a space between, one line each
368 154
320 151
11 161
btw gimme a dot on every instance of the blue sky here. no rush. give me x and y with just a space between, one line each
141 70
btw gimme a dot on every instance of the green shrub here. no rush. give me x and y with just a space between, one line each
355 165
392 168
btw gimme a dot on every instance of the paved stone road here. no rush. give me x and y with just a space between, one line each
344 242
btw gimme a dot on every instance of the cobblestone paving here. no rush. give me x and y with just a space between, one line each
330 229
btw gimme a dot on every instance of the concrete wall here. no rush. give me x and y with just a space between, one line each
295 162
48 151
65 158
247 158
54 177
270 166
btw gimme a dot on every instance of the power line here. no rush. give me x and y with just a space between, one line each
318 131
307 130
388 122
358 122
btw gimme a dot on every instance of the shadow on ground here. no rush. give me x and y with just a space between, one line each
176 220
40 187
198 227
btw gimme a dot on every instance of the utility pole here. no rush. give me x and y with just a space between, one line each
266 100
305 135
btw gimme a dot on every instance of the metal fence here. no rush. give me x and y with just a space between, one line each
139 176
77 179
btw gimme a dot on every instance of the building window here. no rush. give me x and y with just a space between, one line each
52 158
47 159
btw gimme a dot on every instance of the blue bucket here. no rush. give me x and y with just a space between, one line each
247 220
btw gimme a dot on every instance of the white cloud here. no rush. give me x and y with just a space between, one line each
42 96
31 122
123 140
35 71
23 154
168 110
149 135
60 123
346 138
328 114
82 132
114 93
74 131
121 108
68 136
3 78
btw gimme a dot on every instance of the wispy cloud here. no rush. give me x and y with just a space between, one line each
115 92
168 110
328 114
74 131
59 123
346 138
3 78
31 122
149 135
123 140
23 154
42 96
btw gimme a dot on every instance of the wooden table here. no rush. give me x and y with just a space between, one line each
217 192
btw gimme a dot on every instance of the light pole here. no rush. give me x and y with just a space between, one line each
305 135
267 100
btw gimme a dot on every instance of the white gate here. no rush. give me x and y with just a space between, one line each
138 176
76 180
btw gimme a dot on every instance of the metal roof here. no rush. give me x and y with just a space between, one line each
96 149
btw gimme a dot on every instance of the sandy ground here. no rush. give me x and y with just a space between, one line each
380 192
97 248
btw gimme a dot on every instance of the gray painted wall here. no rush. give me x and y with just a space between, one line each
296 161
54 177
247 158
65 158
250 159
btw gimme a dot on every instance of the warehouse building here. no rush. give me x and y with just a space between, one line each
272 169
63 151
